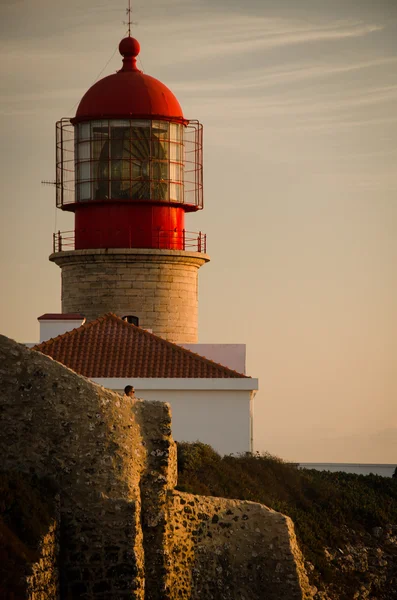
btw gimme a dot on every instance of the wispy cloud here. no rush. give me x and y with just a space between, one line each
238 106
233 35
349 123
32 103
257 78
237 27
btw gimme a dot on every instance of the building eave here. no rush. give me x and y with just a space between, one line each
176 383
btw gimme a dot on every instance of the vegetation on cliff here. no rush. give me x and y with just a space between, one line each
346 524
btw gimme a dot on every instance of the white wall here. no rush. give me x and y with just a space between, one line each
51 328
218 418
228 355
214 411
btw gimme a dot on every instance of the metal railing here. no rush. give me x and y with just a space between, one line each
171 239
63 240
186 189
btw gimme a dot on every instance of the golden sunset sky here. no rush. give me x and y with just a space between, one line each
299 106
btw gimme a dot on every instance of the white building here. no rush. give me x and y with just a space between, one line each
210 402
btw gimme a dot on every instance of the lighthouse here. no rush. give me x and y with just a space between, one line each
129 166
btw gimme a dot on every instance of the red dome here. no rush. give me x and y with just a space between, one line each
129 93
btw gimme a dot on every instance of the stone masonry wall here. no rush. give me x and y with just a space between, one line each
158 286
157 481
55 423
43 582
124 531
221 549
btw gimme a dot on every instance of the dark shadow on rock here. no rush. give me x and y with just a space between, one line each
29 536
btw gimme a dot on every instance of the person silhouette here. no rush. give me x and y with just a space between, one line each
129 391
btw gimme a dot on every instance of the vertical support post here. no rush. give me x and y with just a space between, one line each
62 166
201 202
59 241
183 239
196 165
199 242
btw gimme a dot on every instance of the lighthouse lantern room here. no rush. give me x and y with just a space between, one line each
129 166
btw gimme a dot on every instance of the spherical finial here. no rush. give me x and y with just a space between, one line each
129 49
129 46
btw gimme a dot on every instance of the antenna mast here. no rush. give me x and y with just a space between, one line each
128 11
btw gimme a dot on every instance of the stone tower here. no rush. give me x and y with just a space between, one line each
129 166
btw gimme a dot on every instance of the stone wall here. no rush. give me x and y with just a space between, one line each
158 286
43 582
124 531
157 481
221 549
55 423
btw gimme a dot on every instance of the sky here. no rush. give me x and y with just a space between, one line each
298 102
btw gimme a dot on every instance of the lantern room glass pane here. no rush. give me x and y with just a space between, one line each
160 129
117 148
95 125
100 149
121 179
83 150
176 172
140 190
130 160
139 147
175 132
119 124
100 140
176 192
100 176
159 187
84 131
84 191
160 170
160 139
159 148
175 152
159 190
84 171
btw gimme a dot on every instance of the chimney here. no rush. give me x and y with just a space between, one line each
54 324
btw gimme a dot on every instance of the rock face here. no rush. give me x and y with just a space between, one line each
372 557
228 549
123 530
29 537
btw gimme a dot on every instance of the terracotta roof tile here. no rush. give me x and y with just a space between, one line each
111 347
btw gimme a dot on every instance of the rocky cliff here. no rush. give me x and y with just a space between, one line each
346 524
117 527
